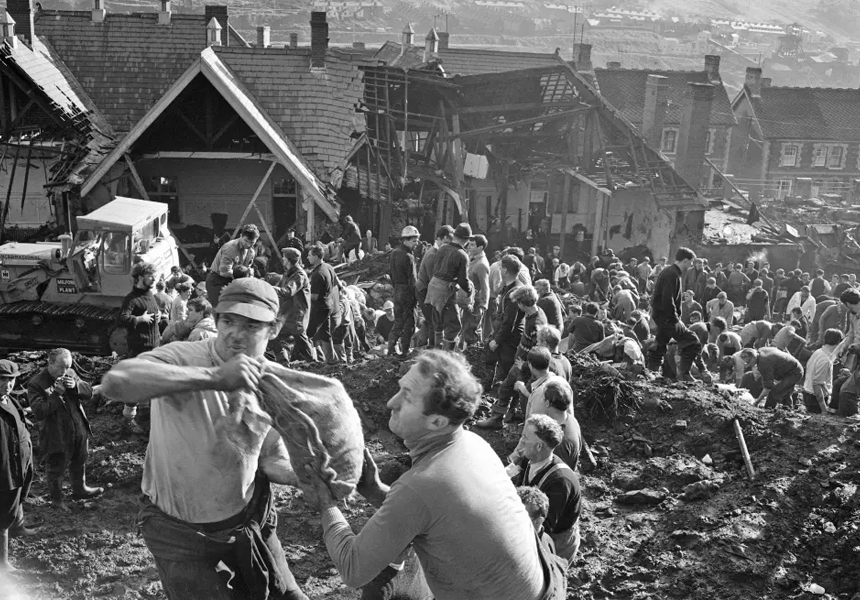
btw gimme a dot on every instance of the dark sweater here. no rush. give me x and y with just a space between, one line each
666 303
564 493
551 307
402 266
140 335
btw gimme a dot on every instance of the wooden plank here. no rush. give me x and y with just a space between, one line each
224 128
253 202
500 108
26 174
135 176
193 128
521 122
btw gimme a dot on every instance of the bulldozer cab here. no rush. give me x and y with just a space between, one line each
111 239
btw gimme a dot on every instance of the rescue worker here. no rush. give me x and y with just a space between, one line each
425 273
351 236
402 272
508 323
238 252
780 372
325 302
207 472
479 273
666 312
294 294
55 395
16 464
450 272
139 315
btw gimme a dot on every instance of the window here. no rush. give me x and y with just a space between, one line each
164 189
710 139
115 253
284 204
670 138
789 155
834 157
783 188
819 155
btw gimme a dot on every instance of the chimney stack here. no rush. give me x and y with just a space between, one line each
695 122
613 64
753 81
264 36
712 68
22 12
359 45
213 33
294 40
165 13
319 39
654 109
219 13
7 24
408 35
582 57
443 40
431 44
766 82
99 11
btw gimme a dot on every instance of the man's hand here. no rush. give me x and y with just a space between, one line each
521 388
319 496
240 372
146 317
493 345
369 485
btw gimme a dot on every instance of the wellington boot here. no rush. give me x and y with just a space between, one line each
80 489
22 531
55 488
4 553
684 366
494 421
328 352
339 353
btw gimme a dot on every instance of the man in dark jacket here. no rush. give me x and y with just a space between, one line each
425 273
666 312
139 315
450 271
351 238
55 396
546 471
16 463
587 329
294 295
325 302
401 269
549 303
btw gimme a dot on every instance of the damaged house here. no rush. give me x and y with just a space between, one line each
522 154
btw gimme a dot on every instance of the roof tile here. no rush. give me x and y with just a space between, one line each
809 113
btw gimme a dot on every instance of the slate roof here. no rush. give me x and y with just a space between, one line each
625 90
466 61
127 62
316 110
809 113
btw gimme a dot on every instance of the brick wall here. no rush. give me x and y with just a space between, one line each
22 12
220 13
319 39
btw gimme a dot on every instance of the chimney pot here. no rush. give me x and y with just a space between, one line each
8 26
753 81
220 13
99 11
319 39
264 36
165 13
582 57
443 40
431 44
294 40
766 82
614 64
712 67
213 32
408 35
21 12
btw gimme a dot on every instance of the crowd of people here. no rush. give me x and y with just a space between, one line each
460 523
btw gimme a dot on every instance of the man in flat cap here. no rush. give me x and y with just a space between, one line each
450 273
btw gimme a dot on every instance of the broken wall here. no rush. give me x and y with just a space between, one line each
37 205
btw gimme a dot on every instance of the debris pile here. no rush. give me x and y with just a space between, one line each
600 389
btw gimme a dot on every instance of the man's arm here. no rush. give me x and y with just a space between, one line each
125 317
140 379
463 274
227 256
84 389
360 558
275 461
42 403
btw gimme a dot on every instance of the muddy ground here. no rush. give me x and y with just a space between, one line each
669 512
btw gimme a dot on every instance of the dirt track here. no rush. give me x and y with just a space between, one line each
764 539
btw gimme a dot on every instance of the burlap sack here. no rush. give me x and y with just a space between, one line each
319 424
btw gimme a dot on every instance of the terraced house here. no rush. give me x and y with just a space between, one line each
796 141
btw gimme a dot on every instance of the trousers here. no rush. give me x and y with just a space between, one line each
689 346
404 316
447 323
781 392
73 459
12 503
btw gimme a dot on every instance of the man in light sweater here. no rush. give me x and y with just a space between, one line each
456 505
479 273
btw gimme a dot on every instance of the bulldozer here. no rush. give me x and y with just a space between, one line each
68 293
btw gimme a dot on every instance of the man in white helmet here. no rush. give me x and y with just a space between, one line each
402 272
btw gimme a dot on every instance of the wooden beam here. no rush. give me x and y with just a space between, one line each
256 156
192 127
253 202
230 122
135 176
565 197
271 237
521 122
500 108
20 116
26 174
5 213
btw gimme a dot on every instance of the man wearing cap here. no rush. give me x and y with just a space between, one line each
238 252
325 302
425 273
294 294
402 272
450 272
16 464
139 315
385 322
211 457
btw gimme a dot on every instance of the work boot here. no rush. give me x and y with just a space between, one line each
80 489
328 351
24 531
4 553
339 353
494 421
130 426
392 347
55 488
450 346
684 366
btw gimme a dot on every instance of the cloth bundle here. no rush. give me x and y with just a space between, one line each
319 425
